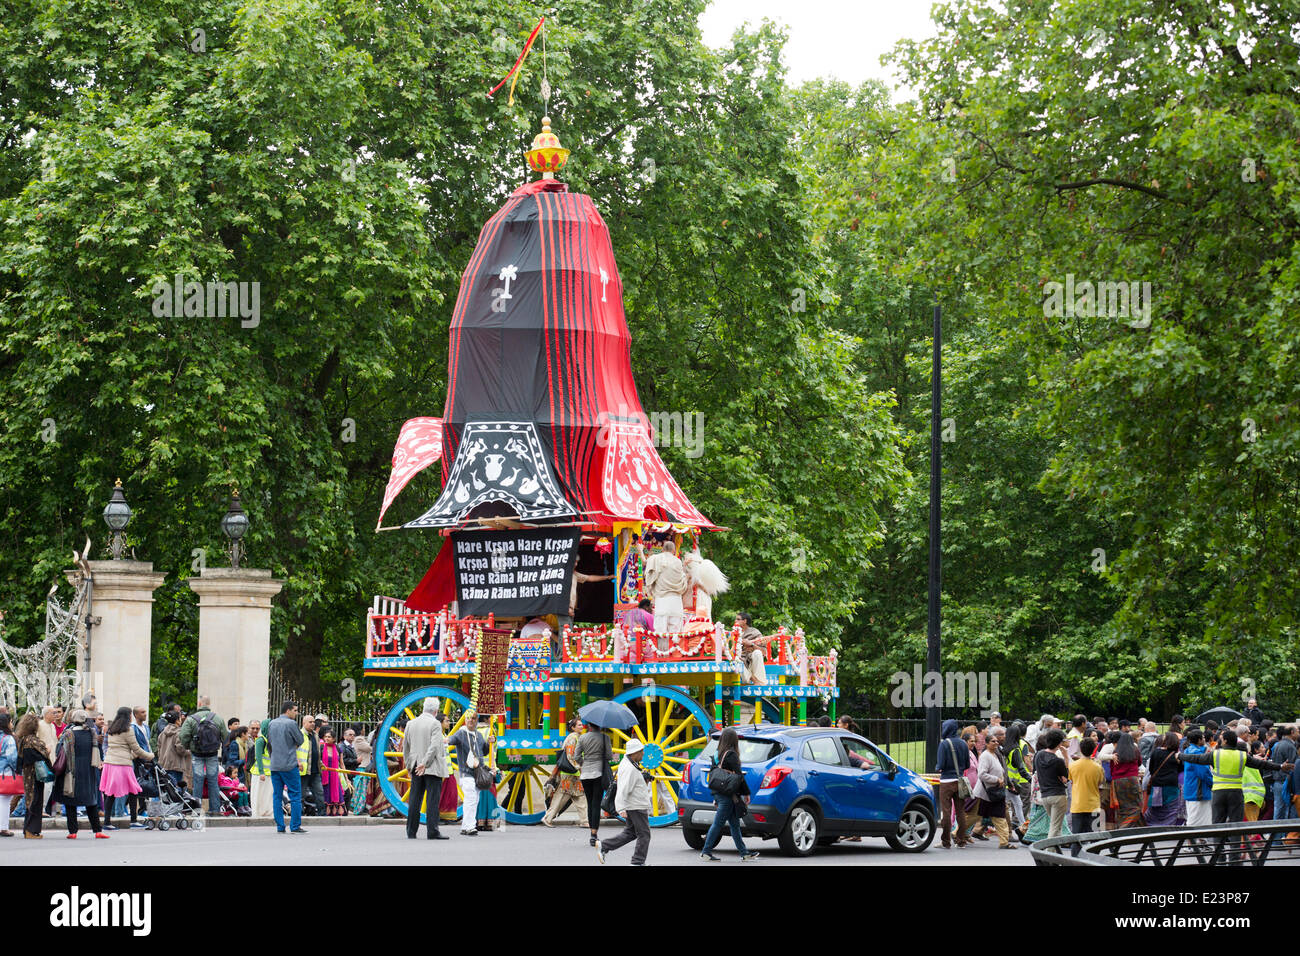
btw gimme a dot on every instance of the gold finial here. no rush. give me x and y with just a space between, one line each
547 155
118 483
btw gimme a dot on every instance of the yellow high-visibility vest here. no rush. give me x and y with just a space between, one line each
304 756
1012 772
1253 786
1228 769
260 765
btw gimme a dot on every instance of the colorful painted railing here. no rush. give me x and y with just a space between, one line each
394 632
415 632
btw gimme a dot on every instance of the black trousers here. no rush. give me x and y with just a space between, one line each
421 787
35 808
1080 823
92 811
134 805
594 790
637 828
1227 806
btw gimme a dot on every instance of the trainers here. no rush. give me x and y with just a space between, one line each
101 836
600 852
135 826
710 857
109 826
751 855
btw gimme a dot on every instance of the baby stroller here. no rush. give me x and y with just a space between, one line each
234 797
172 807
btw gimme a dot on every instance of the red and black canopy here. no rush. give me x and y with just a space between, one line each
542 420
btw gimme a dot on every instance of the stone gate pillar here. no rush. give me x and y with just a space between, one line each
235 639
116 663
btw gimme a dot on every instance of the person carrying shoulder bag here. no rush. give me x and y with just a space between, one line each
730 790
594 753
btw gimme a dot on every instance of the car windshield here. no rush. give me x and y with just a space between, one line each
751 750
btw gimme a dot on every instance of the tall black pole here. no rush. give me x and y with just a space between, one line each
932 628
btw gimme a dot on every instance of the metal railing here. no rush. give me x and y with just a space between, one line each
365 714
1223 844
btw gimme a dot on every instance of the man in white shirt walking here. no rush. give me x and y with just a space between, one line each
632 801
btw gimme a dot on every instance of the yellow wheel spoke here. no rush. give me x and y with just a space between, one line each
410 714
398 730
697 742
665 711
654 799
680 727
401 776
680 760
392 753
664 774
620 733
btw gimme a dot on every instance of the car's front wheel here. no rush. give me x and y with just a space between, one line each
915 830
799 837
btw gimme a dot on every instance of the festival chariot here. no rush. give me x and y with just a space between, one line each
550 469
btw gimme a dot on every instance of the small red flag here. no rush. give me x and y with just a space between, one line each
527 46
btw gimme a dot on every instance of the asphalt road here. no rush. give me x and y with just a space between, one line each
331 845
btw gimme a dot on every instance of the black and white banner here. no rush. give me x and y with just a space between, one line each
498 461
514 573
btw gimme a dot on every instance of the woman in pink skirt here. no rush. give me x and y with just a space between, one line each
331 762
118 776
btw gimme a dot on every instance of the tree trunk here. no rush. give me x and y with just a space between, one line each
301 662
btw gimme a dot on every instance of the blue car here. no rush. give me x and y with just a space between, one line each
809 787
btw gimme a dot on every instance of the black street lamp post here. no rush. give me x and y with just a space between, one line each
932 711
234 524
117 515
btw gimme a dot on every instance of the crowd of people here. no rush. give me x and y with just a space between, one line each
1024 782
85 764
1052 777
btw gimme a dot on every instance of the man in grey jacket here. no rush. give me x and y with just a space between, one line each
283 738
424 754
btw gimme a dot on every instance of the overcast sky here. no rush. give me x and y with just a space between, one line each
840 38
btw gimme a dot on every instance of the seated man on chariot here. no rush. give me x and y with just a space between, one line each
753 643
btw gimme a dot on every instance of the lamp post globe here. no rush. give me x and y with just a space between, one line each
234 524
117 515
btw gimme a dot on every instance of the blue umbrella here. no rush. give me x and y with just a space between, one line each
606 713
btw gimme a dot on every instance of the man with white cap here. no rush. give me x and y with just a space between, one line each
424 754
632 801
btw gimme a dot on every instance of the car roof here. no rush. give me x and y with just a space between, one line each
781 730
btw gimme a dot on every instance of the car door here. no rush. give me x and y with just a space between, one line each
875 797
829 780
